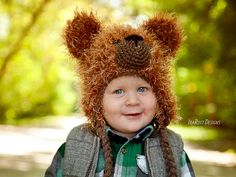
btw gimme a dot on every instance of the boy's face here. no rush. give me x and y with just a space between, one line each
129 105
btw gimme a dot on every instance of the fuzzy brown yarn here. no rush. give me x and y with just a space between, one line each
108 171
160 27
171 168
75 29
132 53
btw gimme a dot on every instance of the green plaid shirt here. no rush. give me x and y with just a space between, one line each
128 155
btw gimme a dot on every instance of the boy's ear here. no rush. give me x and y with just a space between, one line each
79 32
166 30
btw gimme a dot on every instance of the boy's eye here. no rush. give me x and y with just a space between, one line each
142 89
119 91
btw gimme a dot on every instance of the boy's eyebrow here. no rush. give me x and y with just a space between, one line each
144 83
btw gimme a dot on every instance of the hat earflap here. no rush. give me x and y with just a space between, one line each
166 31
80 31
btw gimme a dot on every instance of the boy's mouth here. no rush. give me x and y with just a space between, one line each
133 115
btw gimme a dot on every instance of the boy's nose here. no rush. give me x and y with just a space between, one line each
132 99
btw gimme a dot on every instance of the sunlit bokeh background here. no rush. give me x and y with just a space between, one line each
39 88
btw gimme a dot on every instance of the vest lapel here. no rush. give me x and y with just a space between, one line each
155 157
81 153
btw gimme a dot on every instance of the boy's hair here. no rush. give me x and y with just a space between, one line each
105 53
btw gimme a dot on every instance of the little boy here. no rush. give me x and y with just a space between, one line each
128 100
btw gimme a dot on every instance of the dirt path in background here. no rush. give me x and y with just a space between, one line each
27 151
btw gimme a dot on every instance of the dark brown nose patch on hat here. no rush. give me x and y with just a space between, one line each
132 52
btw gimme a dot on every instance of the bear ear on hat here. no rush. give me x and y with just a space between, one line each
166 30
79 32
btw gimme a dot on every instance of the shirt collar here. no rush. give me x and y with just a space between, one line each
139 137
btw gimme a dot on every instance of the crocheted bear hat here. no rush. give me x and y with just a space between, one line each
104 53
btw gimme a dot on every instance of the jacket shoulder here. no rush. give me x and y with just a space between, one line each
175 139
81 133
81 152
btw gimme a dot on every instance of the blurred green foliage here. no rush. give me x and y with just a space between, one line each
37 78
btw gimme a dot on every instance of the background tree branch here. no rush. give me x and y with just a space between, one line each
16 46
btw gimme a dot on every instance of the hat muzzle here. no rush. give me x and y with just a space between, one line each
132 52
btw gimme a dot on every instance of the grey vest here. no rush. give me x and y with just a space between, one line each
82 148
